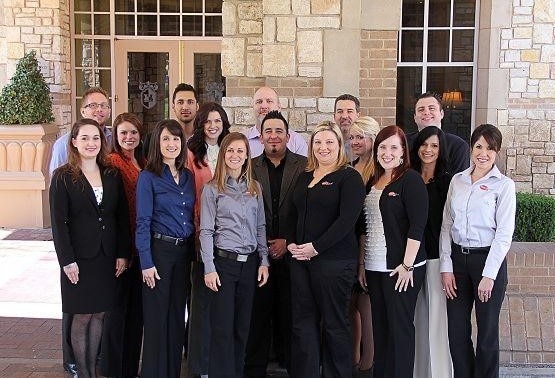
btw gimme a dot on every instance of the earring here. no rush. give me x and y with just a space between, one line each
401 160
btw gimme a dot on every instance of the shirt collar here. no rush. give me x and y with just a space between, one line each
494 172
252 133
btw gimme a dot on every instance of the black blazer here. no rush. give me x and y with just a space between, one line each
404 209
294 165
81 228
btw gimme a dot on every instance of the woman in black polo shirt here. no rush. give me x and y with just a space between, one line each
392 262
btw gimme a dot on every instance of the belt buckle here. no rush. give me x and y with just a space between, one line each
242 258
177 241
465 251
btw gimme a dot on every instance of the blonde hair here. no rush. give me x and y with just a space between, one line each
220 172
342 160
368 127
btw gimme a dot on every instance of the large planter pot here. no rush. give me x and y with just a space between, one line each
25 152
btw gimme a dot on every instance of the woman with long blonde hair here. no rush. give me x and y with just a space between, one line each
234 252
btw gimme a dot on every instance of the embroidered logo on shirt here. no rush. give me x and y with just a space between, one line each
484 187
327 183
392 194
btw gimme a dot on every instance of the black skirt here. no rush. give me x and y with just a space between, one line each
96 289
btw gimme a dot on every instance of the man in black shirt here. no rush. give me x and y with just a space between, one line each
428 111
276 170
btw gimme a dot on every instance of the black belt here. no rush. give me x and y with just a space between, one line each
469 250
232 255
170 239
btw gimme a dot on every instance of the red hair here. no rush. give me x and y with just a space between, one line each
399 171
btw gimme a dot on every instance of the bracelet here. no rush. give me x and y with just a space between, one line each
407 268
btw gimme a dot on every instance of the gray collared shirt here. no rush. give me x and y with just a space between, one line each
233 221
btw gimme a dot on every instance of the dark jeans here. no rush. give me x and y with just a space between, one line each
393 323
320 295
468 274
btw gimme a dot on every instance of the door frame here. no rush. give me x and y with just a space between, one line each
122 47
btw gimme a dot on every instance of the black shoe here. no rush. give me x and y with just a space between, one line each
70 368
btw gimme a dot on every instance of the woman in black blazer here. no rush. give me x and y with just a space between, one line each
90 228
392 258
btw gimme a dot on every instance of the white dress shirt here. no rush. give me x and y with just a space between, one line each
480 214
296 143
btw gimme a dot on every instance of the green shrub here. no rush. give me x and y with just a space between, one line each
26 99
535 218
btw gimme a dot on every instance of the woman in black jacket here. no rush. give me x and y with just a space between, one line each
90 228
327 199
392 259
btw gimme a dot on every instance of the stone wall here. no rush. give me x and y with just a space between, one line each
527 53
527 319
310 51
44 26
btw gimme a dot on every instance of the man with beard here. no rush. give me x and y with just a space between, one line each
185 106
276 170
346 111
266 100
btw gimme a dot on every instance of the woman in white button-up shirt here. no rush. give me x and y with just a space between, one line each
476 234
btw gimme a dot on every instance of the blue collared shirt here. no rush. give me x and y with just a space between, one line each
163 207
59 150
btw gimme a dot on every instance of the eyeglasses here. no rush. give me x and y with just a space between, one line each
94 106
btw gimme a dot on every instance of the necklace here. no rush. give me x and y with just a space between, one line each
174 175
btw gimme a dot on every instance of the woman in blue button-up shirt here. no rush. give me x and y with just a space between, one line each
165 202
476 234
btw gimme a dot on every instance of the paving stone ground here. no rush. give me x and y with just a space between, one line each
30 311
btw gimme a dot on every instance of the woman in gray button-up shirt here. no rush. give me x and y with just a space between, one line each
234 253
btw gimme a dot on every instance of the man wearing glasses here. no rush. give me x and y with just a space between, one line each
94 105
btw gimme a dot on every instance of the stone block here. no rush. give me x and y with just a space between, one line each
523 165
250 27
543 33
309 46
535 114
50 3
316 118
300 7
375 14
250 11
530 55
244 116
318 22
13 34
229 14
305 103
544 11
326 104
512 56
233 57
234 102
32 38
278 60
548 54
506 33
341 65
269 29
539 71
518 84
522 10
310 71
254 64
286 29
519 72
297 120
502 117
520 44
276 7
16 50
522 19
326 6
547 89
540 131
542 181
522 32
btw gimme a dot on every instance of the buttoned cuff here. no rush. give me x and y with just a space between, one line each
490 272
445 265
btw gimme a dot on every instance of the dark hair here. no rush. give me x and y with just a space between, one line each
399 171
347 97
92 90
432 95
491 134
442 163
134 120
184 88
196 144
275 114
155 158
74 159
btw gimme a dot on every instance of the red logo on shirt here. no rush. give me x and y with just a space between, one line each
392 194
327 183
484 187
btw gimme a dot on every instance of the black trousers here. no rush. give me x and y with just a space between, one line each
270 321
67 348
393 323
230 316
320 295
122 332
164 311
468 273
198 351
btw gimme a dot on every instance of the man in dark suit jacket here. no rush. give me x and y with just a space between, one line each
276 170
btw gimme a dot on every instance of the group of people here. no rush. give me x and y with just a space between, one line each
361 253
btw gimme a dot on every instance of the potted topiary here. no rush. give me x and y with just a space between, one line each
26 138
